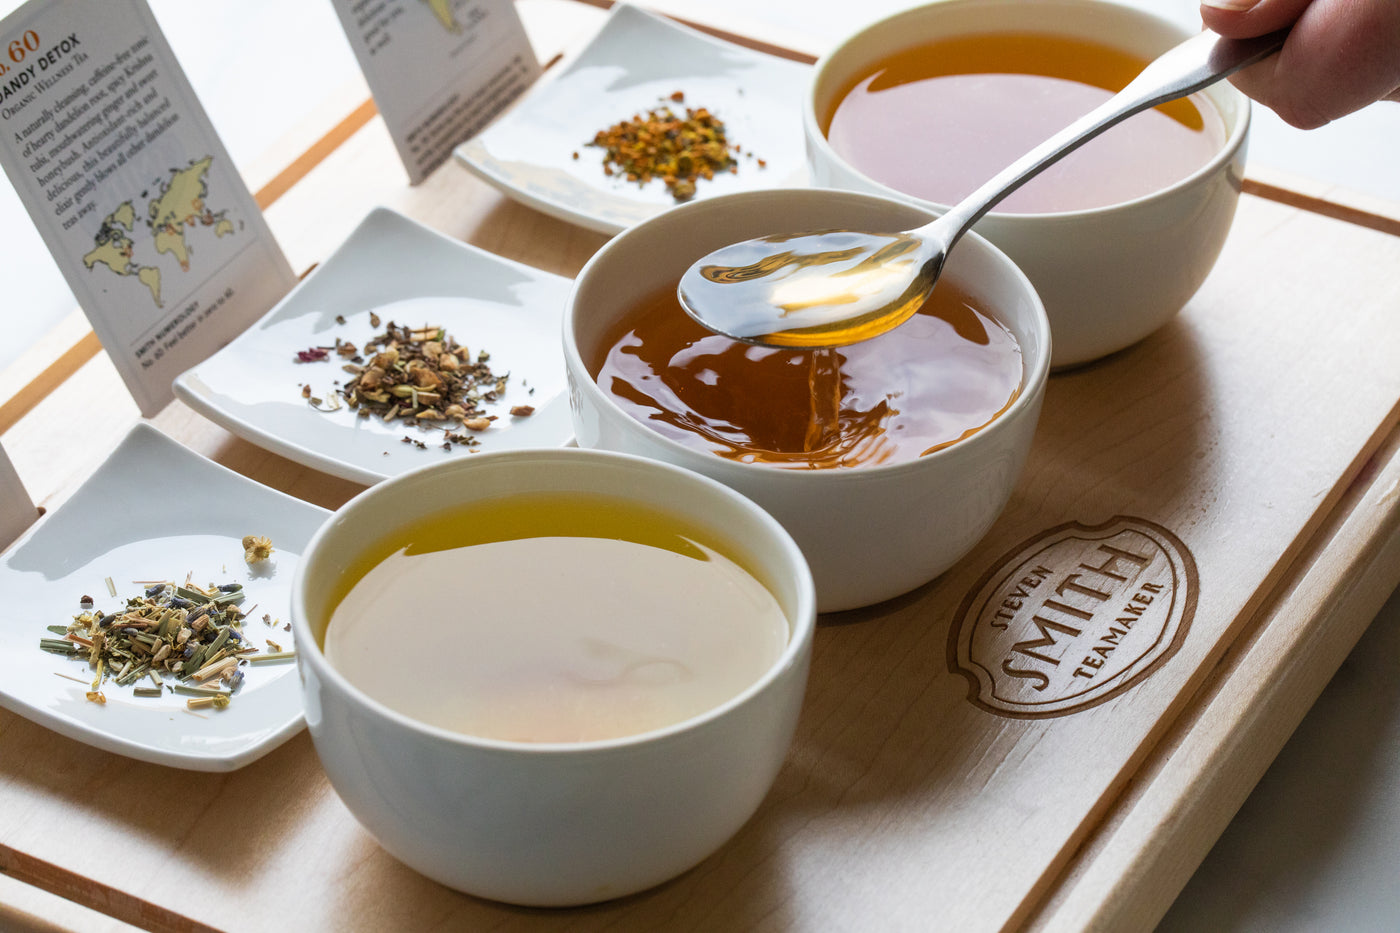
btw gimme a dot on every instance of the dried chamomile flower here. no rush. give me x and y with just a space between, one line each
256 548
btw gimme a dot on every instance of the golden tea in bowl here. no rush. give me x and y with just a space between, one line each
939 118
939 378
552 676
551 617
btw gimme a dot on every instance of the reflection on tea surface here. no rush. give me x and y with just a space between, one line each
551 618
930 382
937 120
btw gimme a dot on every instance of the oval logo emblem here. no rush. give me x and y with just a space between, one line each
1073 617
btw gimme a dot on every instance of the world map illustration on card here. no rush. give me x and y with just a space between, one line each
179 207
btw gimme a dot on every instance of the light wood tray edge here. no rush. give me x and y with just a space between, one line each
1138 859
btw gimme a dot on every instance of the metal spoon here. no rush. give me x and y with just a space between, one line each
831 288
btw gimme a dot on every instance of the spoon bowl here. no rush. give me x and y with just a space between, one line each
836 287
829 288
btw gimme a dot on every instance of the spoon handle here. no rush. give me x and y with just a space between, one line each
1194 64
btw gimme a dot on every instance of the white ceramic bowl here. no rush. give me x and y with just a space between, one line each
552 824
869 533
1109 276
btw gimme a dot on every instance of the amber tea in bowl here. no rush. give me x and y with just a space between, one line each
967 103
886 460
930 102
933 381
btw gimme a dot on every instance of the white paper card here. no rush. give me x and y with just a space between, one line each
124 176
17 511
439 69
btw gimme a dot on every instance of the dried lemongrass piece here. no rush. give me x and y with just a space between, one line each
272 656
189 690
214 669
59 646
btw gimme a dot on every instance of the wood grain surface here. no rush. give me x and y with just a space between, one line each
1259 427
1240 426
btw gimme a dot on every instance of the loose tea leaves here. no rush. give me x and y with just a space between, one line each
422 375
679 150
183 631
416 375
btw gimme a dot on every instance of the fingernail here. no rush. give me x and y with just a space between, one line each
1234 6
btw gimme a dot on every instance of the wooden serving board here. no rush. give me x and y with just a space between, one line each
1247 453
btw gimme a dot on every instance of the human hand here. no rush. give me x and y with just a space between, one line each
1340 55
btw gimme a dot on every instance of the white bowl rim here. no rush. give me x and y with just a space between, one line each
1226 153
803 625
1033 382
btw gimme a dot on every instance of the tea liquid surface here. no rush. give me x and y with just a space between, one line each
934 380
938 120
552 618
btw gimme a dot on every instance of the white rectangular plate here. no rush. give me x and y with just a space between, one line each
634 64
154 510
403 272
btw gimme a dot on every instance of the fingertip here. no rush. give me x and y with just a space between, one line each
1228 6
1240 19
1228 21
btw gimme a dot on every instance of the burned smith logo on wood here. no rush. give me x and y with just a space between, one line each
1074 616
